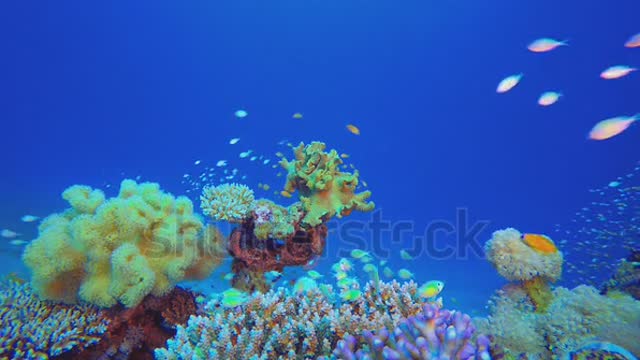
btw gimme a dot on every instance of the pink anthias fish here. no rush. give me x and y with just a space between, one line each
609 128
616 72
549 98
508 83
633 42
545 45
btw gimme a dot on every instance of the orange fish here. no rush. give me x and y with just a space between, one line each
285 193
540 243
353 129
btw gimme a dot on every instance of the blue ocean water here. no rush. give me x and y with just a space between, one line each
93 93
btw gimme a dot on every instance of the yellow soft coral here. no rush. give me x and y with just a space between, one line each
325 191
119 250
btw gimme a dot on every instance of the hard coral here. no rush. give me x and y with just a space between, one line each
229 202
325 191
36 329
283 324
573 317
119 250
432 334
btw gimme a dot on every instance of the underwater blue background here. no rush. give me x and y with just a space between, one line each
96 92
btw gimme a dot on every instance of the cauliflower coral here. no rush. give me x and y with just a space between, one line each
516 261
230 202
105 252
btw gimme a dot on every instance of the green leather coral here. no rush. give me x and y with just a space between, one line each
325 191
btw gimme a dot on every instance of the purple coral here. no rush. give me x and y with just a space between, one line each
432 334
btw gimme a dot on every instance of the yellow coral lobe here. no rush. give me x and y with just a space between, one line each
539 243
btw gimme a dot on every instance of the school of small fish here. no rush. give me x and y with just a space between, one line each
601 233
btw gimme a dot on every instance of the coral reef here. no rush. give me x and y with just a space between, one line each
432 334
119 250
36 329
290 325
601 350
532 260
627 277
515 260
134 333
325 191
573 318
229 202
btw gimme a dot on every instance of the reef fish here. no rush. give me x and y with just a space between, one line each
616 72
234 141
314 274
633 42
304 284
358 254
17 242
405 274
405 255
241 114
29 218
353 129
545 45
297 116
431 289
508 83
549 98
6 233
221 163
351 295
540 243
609 128
232 298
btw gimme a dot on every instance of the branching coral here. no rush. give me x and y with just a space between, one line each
36 329
432 334
325 191
119 250
229 202
289 325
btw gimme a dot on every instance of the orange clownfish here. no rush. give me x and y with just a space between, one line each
540 243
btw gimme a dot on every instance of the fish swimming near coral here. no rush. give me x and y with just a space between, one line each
540 243
431 289
29 218
8 234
